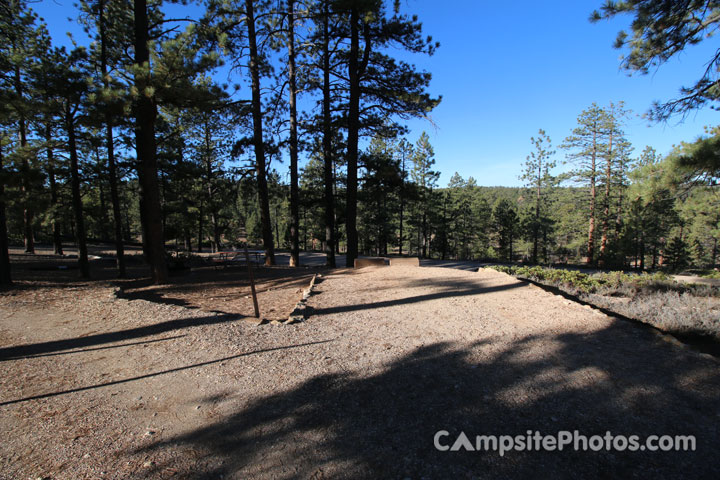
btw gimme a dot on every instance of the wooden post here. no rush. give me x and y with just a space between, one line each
252 283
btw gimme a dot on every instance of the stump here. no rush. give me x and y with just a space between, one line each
404 262
370 262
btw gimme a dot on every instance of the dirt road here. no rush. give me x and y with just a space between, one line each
98 387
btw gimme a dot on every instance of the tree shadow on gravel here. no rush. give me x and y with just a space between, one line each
621 379
468 265
449 288
9 353
155 297
156 373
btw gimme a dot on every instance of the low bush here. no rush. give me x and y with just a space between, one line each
654 298
607 283
669 311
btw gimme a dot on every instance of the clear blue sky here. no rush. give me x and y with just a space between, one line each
506 70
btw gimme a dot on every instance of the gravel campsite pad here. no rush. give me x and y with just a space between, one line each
96 386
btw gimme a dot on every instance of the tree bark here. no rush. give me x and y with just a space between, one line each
654 257
5 274
54 196
353 127
115 200
76 198
606 210
591 227
329 179
25 187
424 232
215 239
216 243
128 232
258 138
145 114
109 143
620 195
443 252
402 200
200 228
294 181
536 233
103 220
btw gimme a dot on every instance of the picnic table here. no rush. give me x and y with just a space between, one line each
236 257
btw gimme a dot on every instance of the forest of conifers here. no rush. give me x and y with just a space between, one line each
134 139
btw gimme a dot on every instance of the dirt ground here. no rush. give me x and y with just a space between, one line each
177 383
200 284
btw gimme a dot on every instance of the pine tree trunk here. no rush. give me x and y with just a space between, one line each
424 234
103 205
217 245
443 252
215 238
163 211
76 197
654 257
636 251
353 126
200 228
536 227
591 227
402 201
329 179
188 241
419 242
606 210
115 200
258 138
277 226
54 196
336 236
145 115
5 275
620 195
25 171
294 181
110 146
304 217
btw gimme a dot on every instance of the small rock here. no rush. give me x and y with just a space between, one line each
149 464
150 433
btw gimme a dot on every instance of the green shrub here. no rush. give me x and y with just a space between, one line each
655 298
607 283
